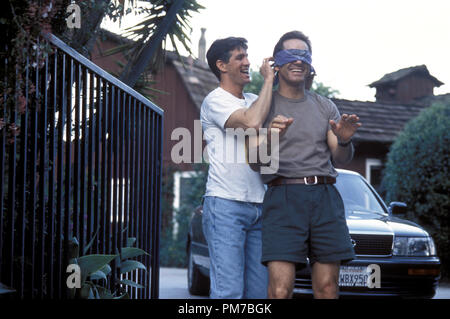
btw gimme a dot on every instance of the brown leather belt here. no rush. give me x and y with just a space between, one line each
309 180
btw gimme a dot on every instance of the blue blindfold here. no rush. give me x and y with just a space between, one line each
287 56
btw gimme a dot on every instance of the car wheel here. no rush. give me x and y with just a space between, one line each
198 284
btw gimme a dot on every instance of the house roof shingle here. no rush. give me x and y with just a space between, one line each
196 76
399 74
381 122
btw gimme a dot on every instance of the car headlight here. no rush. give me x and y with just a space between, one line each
414 246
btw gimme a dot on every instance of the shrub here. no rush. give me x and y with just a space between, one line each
417 173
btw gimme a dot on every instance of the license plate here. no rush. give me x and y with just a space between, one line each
352 276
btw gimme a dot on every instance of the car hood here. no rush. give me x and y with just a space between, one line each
370 223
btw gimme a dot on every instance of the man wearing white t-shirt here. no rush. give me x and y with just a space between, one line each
234 193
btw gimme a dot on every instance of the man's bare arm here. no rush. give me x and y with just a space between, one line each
254 143
339 138
255 115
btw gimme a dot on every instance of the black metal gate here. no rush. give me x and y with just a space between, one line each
88 157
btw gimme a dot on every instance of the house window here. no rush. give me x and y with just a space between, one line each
181 188
374 169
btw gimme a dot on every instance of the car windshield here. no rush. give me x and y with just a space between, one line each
357 196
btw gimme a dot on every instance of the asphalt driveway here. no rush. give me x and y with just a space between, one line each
173 285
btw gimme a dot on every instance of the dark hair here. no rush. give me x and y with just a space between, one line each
291 35
300 36
221 50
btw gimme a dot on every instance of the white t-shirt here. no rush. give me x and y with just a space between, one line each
229 175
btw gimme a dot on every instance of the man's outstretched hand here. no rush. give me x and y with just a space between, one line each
346 127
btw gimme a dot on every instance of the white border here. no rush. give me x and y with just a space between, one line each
176 195
369 163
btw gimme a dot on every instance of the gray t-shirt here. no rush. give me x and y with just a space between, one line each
303 149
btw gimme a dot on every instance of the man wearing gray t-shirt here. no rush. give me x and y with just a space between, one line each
303 213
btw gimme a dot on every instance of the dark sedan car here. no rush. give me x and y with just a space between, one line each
394 257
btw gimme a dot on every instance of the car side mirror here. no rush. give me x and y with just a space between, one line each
398 208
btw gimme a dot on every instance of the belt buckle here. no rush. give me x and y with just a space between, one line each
305 179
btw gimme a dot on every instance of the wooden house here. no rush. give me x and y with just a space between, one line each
400 96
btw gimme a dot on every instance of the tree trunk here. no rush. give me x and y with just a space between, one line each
134 68
84 38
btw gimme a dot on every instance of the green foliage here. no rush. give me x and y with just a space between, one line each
95 270
324 90
155 12
142 34
24 20
417 173
173 246
257 82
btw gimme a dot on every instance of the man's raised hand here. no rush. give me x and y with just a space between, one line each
266 69
346 127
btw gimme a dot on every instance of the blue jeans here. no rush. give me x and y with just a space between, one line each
233 232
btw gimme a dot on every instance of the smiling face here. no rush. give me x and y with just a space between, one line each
294 73
237 69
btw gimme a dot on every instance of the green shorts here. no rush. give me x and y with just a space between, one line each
305 221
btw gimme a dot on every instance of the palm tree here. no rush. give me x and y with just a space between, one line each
164 19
